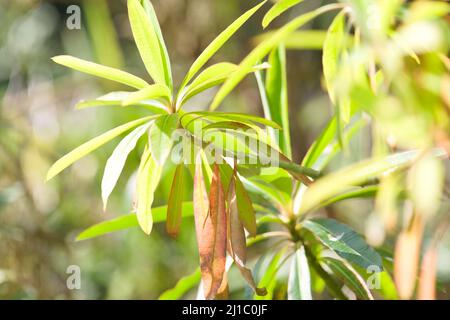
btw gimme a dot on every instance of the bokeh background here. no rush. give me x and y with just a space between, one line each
39 221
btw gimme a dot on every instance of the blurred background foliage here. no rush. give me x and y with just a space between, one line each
39 221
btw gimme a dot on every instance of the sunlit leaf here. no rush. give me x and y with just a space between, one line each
148 7
246 118
116 161
149 174
208 78
101 71
298 40
182 287
299 283
344 241
217 43
150 92
175 209
160 137
129 221
262 50
277 9
116 98
234 125
342 180
332 49
277 96
147 41
91 145
268 279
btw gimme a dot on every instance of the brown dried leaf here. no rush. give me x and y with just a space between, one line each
236 239
427 278
406 259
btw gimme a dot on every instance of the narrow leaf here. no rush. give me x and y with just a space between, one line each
277 95
217 215
406 259
116 98
160 137
351 278
351 176
203 226
299 283
277 9
150 92
245 208
332 49
148 178
91 145
217 43
147 41
116 161
299 40
182 287
210 77
235 117
427 278
174 210
344 241
159 214
258 53
237 240
164 54
101 71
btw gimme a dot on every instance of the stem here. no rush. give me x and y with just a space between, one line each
331 285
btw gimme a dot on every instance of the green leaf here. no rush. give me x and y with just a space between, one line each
317 149
210 77
366 192
233 125
245 208
299 283
277 9
182 287
268 279
299 40
350 276
160 137
258 53
129 221
245 118
147 41
217 43
116 161
101 71
91 145
351 176
175 209
277 96
115 99
344 241
149 174
148 7
332 49
153 91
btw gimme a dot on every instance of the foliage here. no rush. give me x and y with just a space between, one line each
388 64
